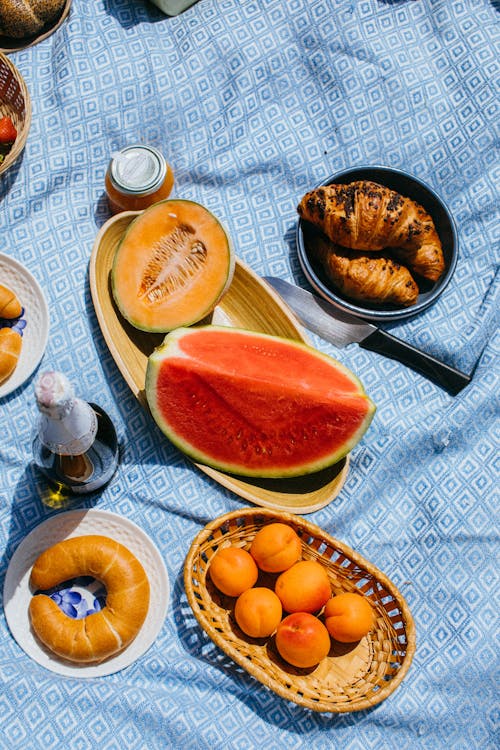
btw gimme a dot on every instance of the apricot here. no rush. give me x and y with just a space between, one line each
258 612
349 617
302 639
233 570
305 587
276 547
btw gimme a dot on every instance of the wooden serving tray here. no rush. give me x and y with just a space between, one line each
249 303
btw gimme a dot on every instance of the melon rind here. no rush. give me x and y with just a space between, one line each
212 296
171 348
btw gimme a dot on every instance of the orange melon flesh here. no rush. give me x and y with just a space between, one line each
172 266
253 404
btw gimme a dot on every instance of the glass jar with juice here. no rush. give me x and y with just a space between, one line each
137 177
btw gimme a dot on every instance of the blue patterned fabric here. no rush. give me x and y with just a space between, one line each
254 102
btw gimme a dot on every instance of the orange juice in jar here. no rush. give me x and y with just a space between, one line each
137 177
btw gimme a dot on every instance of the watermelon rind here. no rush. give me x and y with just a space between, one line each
170 347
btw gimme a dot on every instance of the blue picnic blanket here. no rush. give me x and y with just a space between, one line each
253 102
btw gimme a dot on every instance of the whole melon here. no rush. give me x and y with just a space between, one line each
23 18
253 404
172 266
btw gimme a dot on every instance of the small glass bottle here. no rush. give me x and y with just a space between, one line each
137 177
75 444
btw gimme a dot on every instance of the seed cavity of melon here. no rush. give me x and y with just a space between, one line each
175 259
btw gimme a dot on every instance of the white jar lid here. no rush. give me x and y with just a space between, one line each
138 169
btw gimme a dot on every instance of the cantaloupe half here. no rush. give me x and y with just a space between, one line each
172 266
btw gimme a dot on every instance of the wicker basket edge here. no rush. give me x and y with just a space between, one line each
20 141
259 673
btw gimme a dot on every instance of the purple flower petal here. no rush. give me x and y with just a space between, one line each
71 597
69 610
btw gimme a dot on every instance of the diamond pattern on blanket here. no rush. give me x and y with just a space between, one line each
253 103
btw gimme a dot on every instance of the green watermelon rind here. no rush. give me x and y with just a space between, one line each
171 343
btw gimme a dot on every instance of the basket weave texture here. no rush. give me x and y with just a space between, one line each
16 103
353 676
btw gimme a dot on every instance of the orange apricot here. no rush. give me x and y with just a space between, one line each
233 570
302 639
305 587
349 617
258 612
276 547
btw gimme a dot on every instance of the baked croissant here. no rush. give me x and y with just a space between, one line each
10 307
10 350
366 278
364 215
426 261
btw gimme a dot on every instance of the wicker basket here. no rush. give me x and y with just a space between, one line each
14 101
353 676
9 44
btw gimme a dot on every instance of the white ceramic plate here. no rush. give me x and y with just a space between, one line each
17 593
35 315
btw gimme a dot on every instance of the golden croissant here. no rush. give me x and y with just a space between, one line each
10 350
364 277
10 307
364 215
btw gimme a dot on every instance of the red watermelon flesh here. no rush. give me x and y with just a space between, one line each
254 404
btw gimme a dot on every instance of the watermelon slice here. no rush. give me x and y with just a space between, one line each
252 404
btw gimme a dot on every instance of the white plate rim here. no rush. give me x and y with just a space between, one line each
34 341
16 592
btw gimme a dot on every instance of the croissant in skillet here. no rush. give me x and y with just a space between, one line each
425 260
364 215
366 277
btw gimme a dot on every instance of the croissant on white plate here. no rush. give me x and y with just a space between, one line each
364 215
365 277
10 307
10 351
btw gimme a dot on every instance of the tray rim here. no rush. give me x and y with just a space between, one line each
285 517
223 479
